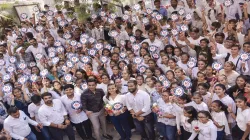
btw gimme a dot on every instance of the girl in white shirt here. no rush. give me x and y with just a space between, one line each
188 118
166 117
119 113
205 127
242 129
218 113
197 103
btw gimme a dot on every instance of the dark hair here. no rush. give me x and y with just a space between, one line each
221 86
220 34
220 104
85 76
3 137
68 86
133 81
12 110
185 97
204 39
206 113
46 94
191 110
241 97
243 77
36 99
91 80
204 85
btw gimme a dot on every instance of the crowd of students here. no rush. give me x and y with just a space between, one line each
177 70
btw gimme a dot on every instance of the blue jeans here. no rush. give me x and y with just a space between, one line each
220 135
31 136
121 125
146 124
45 133
167 131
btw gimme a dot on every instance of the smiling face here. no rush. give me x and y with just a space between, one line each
112 89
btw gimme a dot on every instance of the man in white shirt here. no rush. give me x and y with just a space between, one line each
17 124
78 118
138 103
53 114
33 111
36 48
152 41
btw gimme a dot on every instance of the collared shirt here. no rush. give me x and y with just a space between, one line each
74 117
52 114
242 118
118 99
92 101
97 33
33 111
19 127
139 102
39 49
232 10
169 109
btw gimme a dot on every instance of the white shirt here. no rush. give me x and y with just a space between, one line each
103 86
198 107
54 114
221 119
74 117
188 126
208 131
139 102
166 108
158 43
39 49
19 127
118 99
232 10
33 111
243 118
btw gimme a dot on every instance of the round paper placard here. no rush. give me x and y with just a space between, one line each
73 42
6 77
85 36
117 106
32 64
38 56
137 7
142 69
24 16
125 17
184 28
145 20
94 16
44 73
193 59
149 11
84 86
174 32
68 77
244 56
92 52
91 40
7 88
108 46
181 12
50 13
22 80
69 64
174 17
13 59
166 83
55 60
67 36
152 49
85 59
33 77
52 54
51 49
228 3
60 49
58 43
164 33
39 28
98 46
188 16
113 15
83 40
2 62
76 105
217 66
155 56
113 33
22 66
11 69
35 9
162 78
104 59
191 64
178 91
123 55
138 60
132 39
74 59
158 17
187 83
136 47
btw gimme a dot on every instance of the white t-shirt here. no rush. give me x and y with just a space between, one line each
242 118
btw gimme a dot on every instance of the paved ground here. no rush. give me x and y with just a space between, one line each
112 132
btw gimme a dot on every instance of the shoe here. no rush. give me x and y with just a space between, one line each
108 137
161 138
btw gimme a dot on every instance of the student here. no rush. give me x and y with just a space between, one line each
205 128
242 129
188 119
202 89
218 113
166 116
197 103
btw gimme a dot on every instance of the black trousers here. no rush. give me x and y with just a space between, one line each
57 134
83 129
